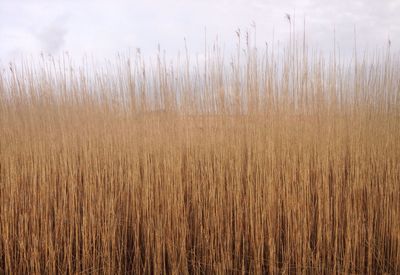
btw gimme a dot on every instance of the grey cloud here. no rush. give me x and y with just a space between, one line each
102 27
52 37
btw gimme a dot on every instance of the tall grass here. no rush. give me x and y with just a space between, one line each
267 162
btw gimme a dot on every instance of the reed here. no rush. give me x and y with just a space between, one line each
262 163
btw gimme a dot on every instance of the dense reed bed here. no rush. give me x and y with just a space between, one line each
267 162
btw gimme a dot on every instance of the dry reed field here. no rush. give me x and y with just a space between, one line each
256 163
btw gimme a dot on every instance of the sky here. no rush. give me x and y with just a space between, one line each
103 28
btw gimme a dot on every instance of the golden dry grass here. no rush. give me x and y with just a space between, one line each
272 164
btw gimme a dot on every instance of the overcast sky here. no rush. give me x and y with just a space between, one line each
102 28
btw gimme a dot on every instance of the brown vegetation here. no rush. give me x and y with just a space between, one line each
272 164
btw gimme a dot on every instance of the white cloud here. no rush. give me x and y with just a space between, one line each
104 27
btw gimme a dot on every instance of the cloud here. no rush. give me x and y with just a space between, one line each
52 37
102 27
